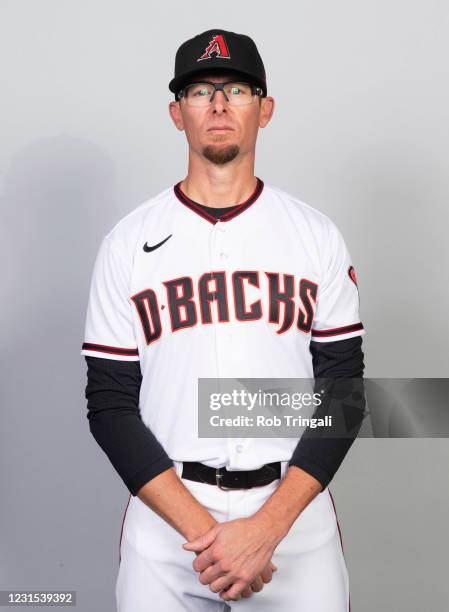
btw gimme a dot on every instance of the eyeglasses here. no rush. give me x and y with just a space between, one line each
236 93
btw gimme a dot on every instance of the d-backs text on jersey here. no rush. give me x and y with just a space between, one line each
288 301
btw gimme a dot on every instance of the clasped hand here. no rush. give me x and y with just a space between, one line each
234 557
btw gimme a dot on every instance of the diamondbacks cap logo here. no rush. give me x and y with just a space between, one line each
352 276
216 46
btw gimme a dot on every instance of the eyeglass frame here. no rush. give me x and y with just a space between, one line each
255 89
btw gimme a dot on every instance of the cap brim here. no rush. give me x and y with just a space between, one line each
178 83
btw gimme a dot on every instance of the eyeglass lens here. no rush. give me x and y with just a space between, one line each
237 94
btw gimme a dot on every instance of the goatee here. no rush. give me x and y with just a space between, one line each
221 155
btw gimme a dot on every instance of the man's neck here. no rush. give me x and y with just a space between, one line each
217 186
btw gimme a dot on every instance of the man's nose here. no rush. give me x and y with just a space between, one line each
218 103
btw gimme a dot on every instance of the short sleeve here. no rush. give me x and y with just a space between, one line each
337 307
109 330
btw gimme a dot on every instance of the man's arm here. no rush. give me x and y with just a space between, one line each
316 459
115 421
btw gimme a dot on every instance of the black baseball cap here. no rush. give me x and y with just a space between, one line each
218 50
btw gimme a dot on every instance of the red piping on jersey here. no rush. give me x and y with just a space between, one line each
182 197
337 330
114 350
341 539
121 531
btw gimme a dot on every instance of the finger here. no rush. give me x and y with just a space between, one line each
266 575
257 584
234 593
223 583
211 573
203 561
247 592
227 597
267 572
254 587
203 541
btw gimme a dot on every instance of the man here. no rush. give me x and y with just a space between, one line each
220 276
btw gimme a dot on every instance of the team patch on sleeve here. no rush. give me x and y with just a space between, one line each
352 275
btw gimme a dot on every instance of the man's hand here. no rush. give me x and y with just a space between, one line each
232 554
257 584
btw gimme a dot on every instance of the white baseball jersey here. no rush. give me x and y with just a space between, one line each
191 296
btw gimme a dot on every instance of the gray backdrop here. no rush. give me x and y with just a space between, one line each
360 132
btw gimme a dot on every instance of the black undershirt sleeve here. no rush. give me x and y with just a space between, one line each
343 359
112 393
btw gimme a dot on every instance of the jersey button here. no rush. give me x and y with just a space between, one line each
239 448
224 255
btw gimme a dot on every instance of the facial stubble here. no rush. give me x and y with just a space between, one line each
221 155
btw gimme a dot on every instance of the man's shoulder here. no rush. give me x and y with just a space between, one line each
125 232
135 216
298 208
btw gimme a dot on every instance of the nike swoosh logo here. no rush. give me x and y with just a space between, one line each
148 248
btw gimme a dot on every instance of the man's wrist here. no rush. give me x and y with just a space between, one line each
195 531
269 524
282 508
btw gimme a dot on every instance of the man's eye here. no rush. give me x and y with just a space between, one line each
202 92
239 89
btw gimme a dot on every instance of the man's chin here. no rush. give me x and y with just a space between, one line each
220 155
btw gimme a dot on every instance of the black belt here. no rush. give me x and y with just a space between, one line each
241 479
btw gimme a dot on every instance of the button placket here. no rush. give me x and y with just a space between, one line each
223 337
218 249
218 232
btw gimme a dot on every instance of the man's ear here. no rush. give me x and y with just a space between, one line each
266 111
176 115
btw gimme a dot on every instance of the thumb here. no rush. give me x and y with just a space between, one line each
202 542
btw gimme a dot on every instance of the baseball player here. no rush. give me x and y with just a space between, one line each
220 275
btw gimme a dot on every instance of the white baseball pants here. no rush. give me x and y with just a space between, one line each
156 574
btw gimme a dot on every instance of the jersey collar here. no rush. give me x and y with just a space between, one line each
184 199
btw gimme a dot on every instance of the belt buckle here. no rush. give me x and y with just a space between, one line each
218 477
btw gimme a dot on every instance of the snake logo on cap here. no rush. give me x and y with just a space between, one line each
218 46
